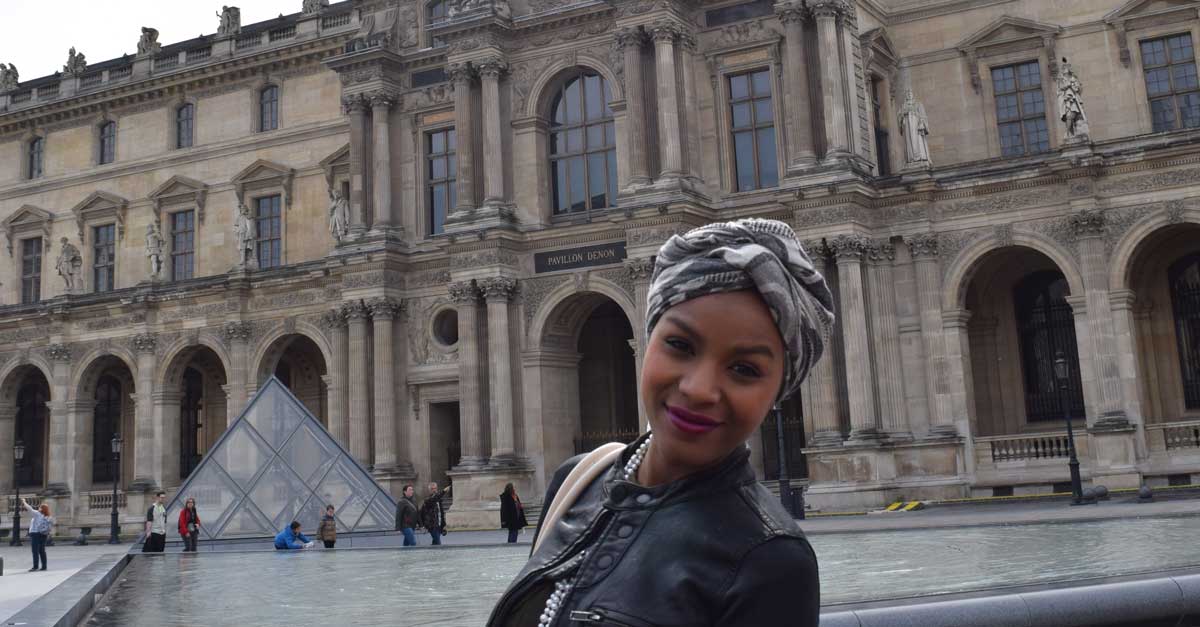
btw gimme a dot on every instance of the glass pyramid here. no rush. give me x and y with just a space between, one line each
276 464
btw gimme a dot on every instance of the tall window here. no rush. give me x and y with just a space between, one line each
1020 109
185 118
268 109
1170 67
440 170
106 418
882 137
31 270
32 416
1184 279
191 421
36 147
108 142
1045 326
583 154
269 244
103 252
183 247
753 123
435 12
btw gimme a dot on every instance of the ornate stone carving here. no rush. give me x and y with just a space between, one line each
236 332
76 63
791 12
665 30
534 291
639 268
629 37
231 21
384 308
498 288
914 126
9 77
355 310
354 104
428 96
522 77
314 6
1070 104
829 8
69 265
383 98
244 235
817 250
58 352
148 43
1118 221
492 67
114 322
361 76
881 251
850 247
333 319
1087 224
923 245
951 244
144 342
495 256
339 214
1151 182
1175 210
461 73
464 292
620 277
154 250
1003 234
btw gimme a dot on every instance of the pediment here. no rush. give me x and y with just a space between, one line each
177 186
1007 30
1147 8
100 204
877 42
336 161
263 173
27 218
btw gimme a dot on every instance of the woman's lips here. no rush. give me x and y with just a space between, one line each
689 422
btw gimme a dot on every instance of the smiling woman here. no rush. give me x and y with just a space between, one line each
673 529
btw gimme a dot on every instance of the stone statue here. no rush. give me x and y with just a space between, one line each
914 126
339 215
1070 103
76 63
243 230
314 6
231 20
9 77
499 7
148 44
154 250
69 264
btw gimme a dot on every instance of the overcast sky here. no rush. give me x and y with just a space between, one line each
36 34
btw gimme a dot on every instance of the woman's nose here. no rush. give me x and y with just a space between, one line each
700 384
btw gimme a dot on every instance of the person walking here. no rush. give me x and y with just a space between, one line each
39 530
290 539
189 525
327 532
406 516
433 513
512 513
156 525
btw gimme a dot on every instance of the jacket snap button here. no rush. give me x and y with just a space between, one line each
642 499
618 494
604 562
625 531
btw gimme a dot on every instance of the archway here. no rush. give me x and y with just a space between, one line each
298 363
108 386
25 417
194 411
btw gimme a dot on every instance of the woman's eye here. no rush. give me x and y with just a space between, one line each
679 345
746 370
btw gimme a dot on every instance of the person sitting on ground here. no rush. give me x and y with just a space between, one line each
327 532
291 538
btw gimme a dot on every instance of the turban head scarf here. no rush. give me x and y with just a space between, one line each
750 254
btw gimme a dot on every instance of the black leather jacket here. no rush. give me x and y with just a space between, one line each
714 548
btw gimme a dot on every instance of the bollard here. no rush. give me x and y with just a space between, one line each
1101 493
1 565
1145 494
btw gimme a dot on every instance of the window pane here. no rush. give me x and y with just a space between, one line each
743 156
762 83
1154 53
739 87
1158 82
1189 110
578 193
437 168
1037 137
558 170
597 181
1006 107
573 97
595 97
1010 140
1032 103
1029 75
437 142
610 134
452 165
575 140
611 158
595 136
763 111
451 141
1162 112
560 111
1004 80
1185 76
438 203
768 172
557 143
741 115
1181 48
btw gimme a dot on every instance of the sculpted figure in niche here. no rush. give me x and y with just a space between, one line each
9 77
148 44
339 215
68 265
243 230
231 20
1070 103
914 125
154 250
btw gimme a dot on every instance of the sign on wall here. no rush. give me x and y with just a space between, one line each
583 257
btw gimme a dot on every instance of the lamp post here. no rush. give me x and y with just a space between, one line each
785 485
18 455
115 533
1062 372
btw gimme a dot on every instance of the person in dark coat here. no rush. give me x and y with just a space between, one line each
189 525
327 531
512 513
675 529
406 516
433 513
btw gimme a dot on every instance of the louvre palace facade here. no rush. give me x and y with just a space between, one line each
435 223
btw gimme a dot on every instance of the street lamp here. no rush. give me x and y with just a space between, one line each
785 485
115 533
18 455
1062 372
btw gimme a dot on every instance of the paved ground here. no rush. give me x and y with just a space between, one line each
19 587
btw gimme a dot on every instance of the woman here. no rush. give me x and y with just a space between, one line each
327 532
39 530
189 525
512 513
676 530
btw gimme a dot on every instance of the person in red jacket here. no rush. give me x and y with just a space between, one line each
189 525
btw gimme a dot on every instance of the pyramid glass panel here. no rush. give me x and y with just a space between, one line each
380 516
242 455
279 494
308 455
275 414
310 515
215 493
246 521
348 491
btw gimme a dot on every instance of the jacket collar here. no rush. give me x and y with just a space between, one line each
730 472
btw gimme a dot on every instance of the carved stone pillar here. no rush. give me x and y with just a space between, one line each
383 316
498 292
149 436
8 421
802 148
381 153
885 332
356 108
339 389
463 76
850 250
490 72
62 460
665 35
630 41
639 271
1089 230
829 15
360 400
166 415
1128 361
924 248
237 338
470 384
822 381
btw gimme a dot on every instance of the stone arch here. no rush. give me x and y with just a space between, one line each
270 343
121 364
1124 255
86 372
569 289
13 378
9 378
177 354
546 84
963 267
307 379
191 399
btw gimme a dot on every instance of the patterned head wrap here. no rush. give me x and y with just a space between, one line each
763 255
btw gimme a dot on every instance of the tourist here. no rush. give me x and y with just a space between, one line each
327 532
406 516
433 513
39 530
673 529
189 525
512 513
291 539
156 525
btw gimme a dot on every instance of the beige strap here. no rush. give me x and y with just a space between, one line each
577 481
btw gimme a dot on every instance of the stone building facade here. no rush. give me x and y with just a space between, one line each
435 223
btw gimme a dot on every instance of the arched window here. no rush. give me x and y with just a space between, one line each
583 155
185 117
37 146
190 423
1045 326
31 431
106 422
436 12
108 142
268 108
1184 279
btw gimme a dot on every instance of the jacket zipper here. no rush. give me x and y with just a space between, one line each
597 616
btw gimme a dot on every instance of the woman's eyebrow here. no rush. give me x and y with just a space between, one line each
754 349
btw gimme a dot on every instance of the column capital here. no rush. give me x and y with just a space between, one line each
464 292
236 331
354 104
334 319
791 12
492 68
461 73
881 251
852 247
829 8
629 37
1088 224
384 308
383 98
816 249
58 352
145 342
355 310
923 245
666 31
498 289
639 268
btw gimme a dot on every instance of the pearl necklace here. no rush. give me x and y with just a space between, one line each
563 587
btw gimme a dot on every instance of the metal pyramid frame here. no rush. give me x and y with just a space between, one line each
274 464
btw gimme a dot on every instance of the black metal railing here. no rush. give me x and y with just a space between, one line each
793 437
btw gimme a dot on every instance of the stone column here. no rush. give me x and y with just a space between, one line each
463 76
849 250
356 107
360 400
630 42
490 72
924 249
237 337
166 414
498 291
381 154
829 14
885 331
339 389
802 150
151 436
665 35
639 271
1089 230
822 380
383 316
466 295
62 461
1122 304
8 421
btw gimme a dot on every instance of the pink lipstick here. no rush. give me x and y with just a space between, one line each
689 422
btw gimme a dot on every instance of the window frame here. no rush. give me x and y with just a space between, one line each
1062 337
262 92
728 103
428 182
29 171
879 96
94 246
191 124
428 19
106 153
258 235
1022 118
985 63
173 243
32 282
1174 271
612 189
1173 95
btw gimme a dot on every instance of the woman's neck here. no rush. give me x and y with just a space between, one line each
657 470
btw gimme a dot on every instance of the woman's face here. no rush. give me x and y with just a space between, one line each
713 368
